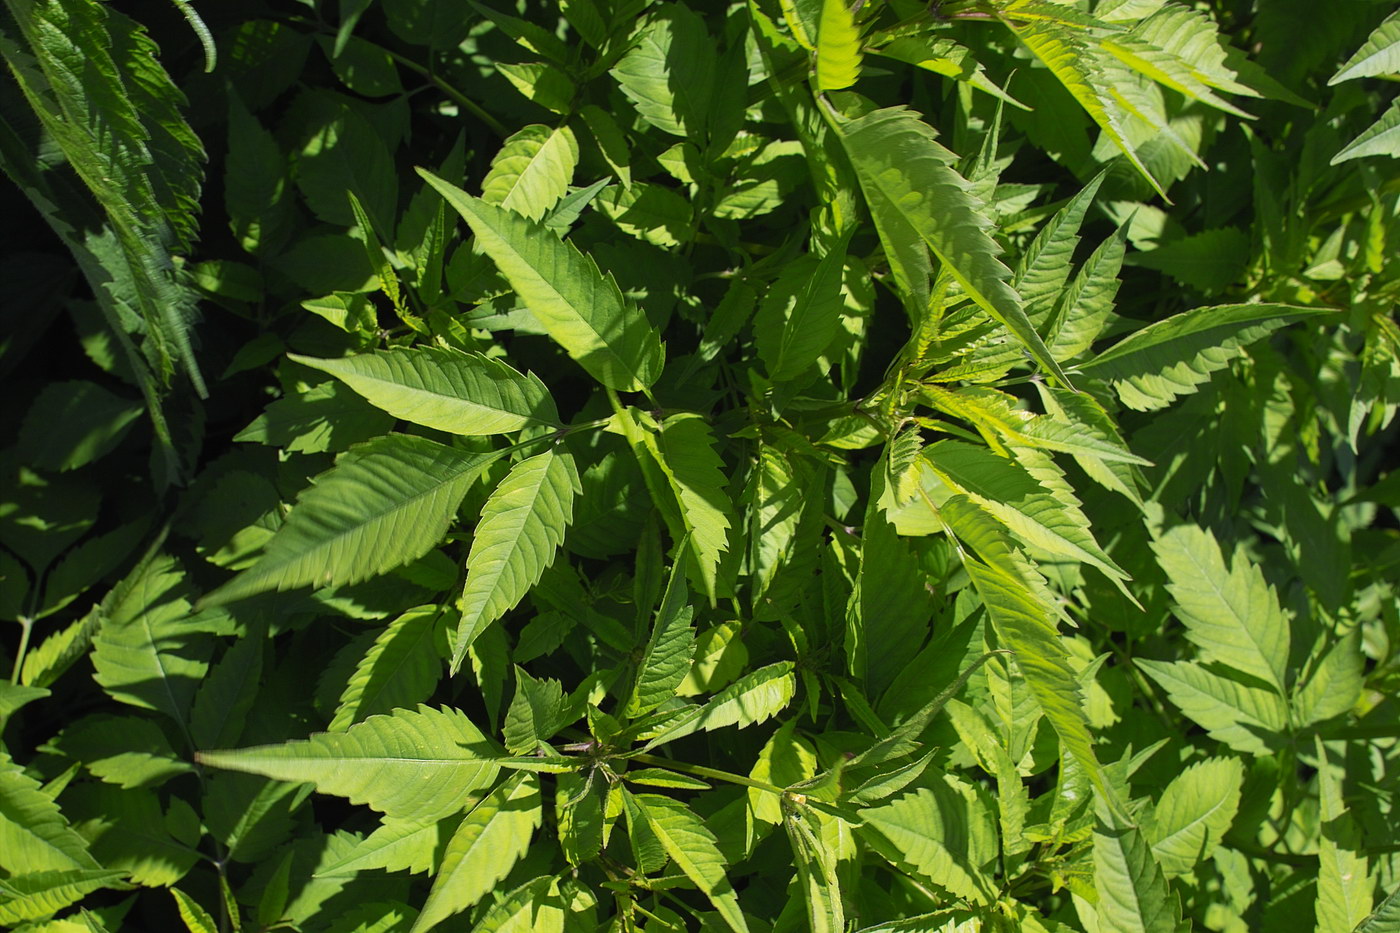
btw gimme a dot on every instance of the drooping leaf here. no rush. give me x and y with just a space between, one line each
521 528
385 503
461 393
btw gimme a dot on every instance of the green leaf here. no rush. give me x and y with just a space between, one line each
1380 138
665 660
1026 625
326 417
692 847
1247 718
532 170
407 844
487 844
537 711
1231 614
838 47
817 877
944 57
149 651
1334 685
1208 261
1344 882
196 918
94 421
534 907
669 72
124 750
460 393
912 188
33 895
1152 366
1133 893
400 669
1076 63
1385 918
1045 266
384 504
522 525
938 832
576 304
684 450
800 314
34 834
1378 55
753 698
422 763
1193 813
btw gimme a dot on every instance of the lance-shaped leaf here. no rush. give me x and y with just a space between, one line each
579 306
1380 138
532 170
421 763
32 895
1026 625
1378 55
691 846
684 449
401 668
666 658
838 47
1194 812
521 528
460 393
1074 61
1154 365
817 877
1344 882
800 314
1231 614
1247 718
911 187
34 835
1045 266
934 831
753 698
407 844
385 503
487 844
1133 892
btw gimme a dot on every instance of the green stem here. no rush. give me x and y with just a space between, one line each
715 773
26 627
457 96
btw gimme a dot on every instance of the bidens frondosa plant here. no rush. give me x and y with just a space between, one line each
607 466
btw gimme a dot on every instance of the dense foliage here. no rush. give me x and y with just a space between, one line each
613 465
